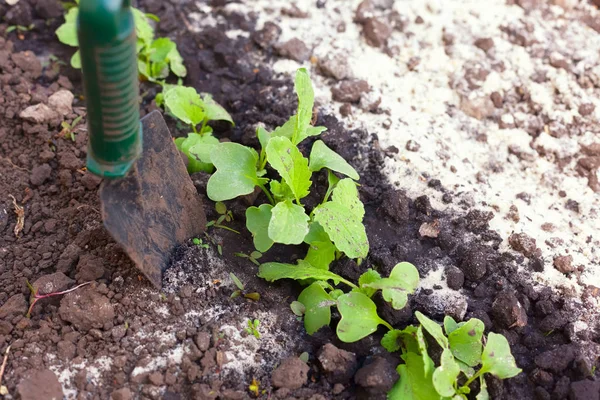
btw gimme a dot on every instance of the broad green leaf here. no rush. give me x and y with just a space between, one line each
483 392
176 63
306 100
450 325
289 223
159 70
445 376
497 358
273 271
263 137
143 30
76 60
160 48
371 276
281 191
346 193
322 156
345 230
67 32
317 305
465 342
287 160
391 340
257 222
316 233
237 281
433 329
468 371
285 130
202 149
320 254
414 382
313 131
298 308
213 110
236 172
403 280
359 317
185 103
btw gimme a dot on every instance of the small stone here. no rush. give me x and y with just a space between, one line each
66 350
335 66
68 160
585 390
90 181
337 365
556 360
291 374
40 174
346 109
64 82
121 394
413 146
118 332
508 311
564 264
377 377
484 44
62 102
294 49
497 99
89 268
28 62
349 91
86 308
39 114
56 282
430 229
376 32
474 264
156 378
268 35
455 278
370 101
15 305
586 109
202 340
513 213
523 243
42 384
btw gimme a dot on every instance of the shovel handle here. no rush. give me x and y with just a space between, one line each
107 41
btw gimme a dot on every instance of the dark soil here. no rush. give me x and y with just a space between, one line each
119 338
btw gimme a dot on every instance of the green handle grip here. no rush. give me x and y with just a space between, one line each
107 41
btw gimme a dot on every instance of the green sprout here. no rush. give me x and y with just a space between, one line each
240 289
252 328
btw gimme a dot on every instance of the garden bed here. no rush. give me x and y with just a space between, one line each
473 128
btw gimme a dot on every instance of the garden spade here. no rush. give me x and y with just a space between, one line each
149 203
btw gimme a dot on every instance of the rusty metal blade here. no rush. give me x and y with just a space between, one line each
156 207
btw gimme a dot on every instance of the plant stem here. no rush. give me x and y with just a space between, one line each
204 122
267 193
36 297
387 325
226 228
473 378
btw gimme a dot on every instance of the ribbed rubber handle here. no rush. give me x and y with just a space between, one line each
107 43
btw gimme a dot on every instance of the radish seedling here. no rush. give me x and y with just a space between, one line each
252 328
252 296
36 296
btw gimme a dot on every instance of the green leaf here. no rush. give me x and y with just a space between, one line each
67 32
483 392
414 383
76 60
257 222
281 191
403 280
298 308
433 329
213 110
359 317
285 130
143 29
320 254
220 208
391 340
236 172
465 342
306 100
347 232
236 280
197 149
371 276
445 376
176 63
263 137
322 156
185 103
346 193
497 358
273 271
289 223
160 48
450 325
317 305
287 160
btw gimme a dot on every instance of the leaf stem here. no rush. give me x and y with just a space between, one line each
471 379
226 228
204 122
267 193
386 324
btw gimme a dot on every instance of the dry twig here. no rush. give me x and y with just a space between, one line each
20 211
3 389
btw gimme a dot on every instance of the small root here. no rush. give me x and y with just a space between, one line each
3 389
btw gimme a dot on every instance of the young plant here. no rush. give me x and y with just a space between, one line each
333 227
240 292
462 351
225 215
252 328
68 130
253 257
200 243
358 311
185 104
36 296
156 57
